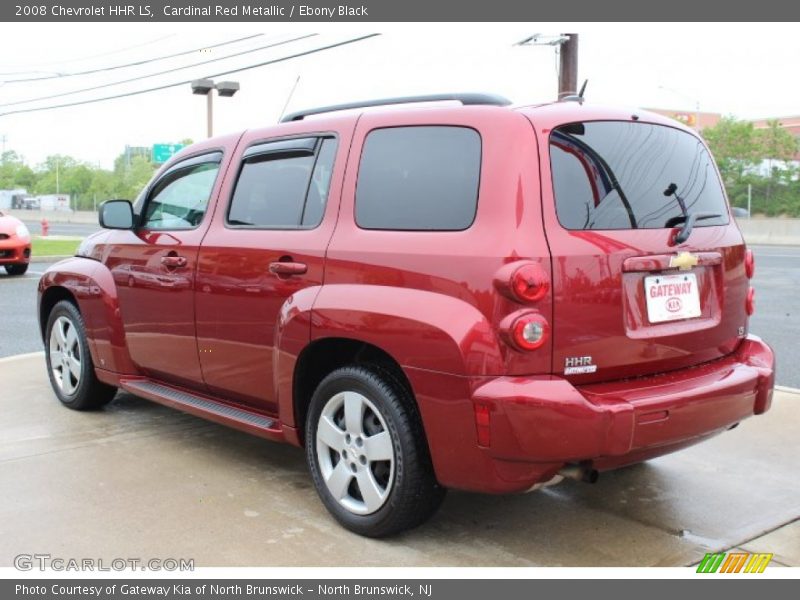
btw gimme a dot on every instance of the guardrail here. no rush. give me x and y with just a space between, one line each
780 232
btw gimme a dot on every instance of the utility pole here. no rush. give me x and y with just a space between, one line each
568 66
566 47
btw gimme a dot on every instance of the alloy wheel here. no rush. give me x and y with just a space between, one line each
65 355
356 453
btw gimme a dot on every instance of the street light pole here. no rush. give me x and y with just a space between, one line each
206 87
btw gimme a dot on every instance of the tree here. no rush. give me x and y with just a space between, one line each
759 160
736 147
778 147
14 173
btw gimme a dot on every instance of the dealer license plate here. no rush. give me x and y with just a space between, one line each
672 297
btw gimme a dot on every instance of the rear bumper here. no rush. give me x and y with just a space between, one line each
539 424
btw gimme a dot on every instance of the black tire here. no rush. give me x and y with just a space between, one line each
414 494
85 392
18 269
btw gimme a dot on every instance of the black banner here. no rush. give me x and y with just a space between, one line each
322 11
394 589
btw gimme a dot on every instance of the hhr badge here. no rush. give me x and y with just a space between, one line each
577 365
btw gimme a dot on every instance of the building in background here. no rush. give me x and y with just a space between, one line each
13 199
689 117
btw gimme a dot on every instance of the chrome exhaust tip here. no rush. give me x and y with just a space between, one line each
580 473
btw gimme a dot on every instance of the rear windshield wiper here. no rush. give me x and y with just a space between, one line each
688 220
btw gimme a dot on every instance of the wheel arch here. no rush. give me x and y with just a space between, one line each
323 356
90 286
50 297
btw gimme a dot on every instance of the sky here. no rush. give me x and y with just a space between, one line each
745 70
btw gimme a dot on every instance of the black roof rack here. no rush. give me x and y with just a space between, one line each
465 99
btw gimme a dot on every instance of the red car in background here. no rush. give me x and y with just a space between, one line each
15 245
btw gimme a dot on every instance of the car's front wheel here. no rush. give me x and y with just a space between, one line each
18 269
69 363
367 453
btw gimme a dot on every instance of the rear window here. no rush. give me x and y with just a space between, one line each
618 175
419 178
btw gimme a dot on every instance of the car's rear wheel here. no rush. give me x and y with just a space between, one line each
69 363
367 453
18 269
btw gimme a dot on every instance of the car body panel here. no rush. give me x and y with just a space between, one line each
14 249
239 301
601 310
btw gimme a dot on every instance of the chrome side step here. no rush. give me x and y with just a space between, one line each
204 407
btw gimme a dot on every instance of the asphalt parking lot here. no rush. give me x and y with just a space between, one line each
144 481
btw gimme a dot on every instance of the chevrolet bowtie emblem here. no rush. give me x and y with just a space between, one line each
683 260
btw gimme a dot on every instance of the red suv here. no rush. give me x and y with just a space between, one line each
425 297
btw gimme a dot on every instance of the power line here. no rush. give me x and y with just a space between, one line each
83 58
173 70
172 85
133 64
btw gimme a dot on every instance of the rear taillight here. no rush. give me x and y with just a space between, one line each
529 331
749 264
483 423
750 301
525 282
529 283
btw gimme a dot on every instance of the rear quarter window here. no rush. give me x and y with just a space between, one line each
621 175
419 178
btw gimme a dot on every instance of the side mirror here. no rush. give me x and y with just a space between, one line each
116 214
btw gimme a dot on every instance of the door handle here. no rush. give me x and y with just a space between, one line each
173 262
287 268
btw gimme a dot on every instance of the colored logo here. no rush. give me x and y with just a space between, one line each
734 562
683 261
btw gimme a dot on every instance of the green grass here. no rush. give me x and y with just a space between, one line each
49 247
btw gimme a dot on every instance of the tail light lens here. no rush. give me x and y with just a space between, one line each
750 301
749 264
529 283
530 331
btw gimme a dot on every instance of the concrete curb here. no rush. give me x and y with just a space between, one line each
8 359
788 390
44 259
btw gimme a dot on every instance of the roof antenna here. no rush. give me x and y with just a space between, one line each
291 93
579 98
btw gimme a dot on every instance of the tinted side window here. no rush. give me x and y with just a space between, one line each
180 198
320 184
419 178
619 175
285 190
